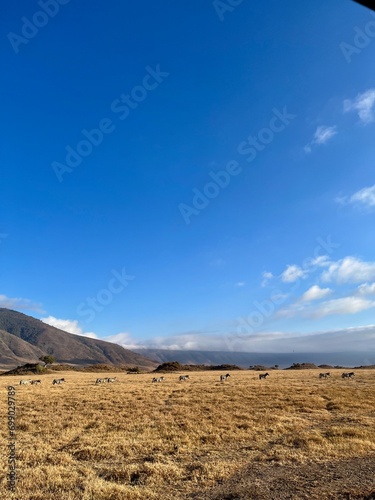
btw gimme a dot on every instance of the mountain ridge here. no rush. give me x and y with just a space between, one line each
63 346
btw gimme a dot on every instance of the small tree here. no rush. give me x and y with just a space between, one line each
135 369
48 360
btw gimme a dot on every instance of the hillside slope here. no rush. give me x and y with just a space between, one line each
66 347
15 351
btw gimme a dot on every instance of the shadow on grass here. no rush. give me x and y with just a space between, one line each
351 479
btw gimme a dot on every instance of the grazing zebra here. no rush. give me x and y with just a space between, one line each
58 381
112 379
101 380
184 377
25 382
347 375
35 382
263 375
158 379
324 375
223 378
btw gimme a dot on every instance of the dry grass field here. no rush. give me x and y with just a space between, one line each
289 436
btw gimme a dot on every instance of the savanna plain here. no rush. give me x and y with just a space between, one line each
291 435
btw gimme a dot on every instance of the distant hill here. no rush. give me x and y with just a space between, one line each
175 366
246 359
302 366
24 339
15 351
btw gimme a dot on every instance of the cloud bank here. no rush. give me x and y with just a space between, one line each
357 339
68 325
20 304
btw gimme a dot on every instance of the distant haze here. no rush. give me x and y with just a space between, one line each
349 340
245 359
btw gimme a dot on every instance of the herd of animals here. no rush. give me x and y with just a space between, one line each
182 378
344 375
36 382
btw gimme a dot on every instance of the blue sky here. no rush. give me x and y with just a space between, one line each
190 175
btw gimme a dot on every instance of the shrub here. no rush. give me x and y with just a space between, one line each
48 360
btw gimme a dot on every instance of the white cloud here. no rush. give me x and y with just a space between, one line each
366 289
321 136
364 104
20 304
358 339
267 276
364 197
349 270
346 305
240 283
195 340
306 307
324 134
279 298
68 325
292 273
291 311
315 293
125 340
320 261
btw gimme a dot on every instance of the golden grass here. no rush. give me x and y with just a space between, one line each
138 440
